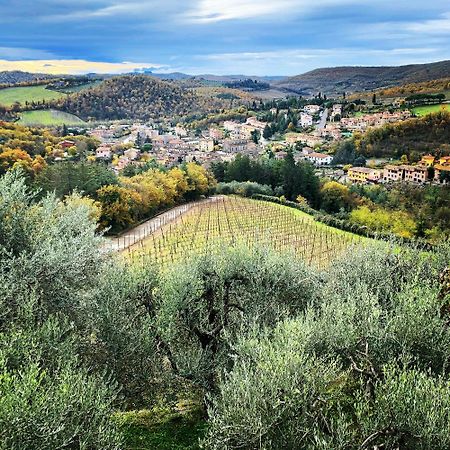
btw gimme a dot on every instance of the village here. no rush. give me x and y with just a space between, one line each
123 145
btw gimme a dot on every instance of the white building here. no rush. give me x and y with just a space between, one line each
206 145
306 120
319 159
312 109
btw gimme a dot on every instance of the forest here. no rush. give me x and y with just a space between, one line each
272 352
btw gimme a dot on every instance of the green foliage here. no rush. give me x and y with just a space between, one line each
293 179
245 188
66 177
207 302
360 369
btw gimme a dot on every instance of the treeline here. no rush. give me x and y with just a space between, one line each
412 138
119 203
285 177
281 355
248 84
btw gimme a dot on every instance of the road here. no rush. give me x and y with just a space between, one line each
323 119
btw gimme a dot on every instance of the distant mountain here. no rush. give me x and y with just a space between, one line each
17 77
336 80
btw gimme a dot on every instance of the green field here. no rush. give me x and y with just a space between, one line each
428 109
81 87
9 96
48 117
228 221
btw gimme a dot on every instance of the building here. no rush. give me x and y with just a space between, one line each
427 160
442 174
319 159
312 109
206 145
103 152
67 144
234 145
306 120
415 174
444 161
215 133
364 175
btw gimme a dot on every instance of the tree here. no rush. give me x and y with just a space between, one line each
335 196
267 133
256 136
205 303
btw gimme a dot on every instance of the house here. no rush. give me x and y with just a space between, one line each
312 109
319 159
442 173
206 145
392 173
66 143
306 120
215 133
234 145
415 174
427 160
103 152
444 160
132 154
363 175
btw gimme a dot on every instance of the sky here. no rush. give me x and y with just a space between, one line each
252 37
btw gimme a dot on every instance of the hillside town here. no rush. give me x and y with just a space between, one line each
134 144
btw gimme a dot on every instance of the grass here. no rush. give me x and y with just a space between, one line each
162 429
233 220
81 87
9 96
429 109
48 117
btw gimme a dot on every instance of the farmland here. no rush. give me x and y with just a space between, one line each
428 109
48 117
226 221
9 96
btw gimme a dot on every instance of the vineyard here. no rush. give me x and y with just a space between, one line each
225 221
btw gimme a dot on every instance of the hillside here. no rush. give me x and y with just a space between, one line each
412 137
17 77
336 80
137 97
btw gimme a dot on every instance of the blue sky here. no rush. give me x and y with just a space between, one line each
255 37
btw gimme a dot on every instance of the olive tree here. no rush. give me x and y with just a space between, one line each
206 302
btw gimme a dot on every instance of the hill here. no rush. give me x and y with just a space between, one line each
138 97
438 86
17 77
413 137
336 80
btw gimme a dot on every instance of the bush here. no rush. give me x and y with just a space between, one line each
245 188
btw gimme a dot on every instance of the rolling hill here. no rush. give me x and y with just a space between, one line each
139 97
17 77
336 80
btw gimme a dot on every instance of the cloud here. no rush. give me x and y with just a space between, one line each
76 66
24 53
433 26
214 11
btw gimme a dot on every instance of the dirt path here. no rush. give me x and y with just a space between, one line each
145 229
